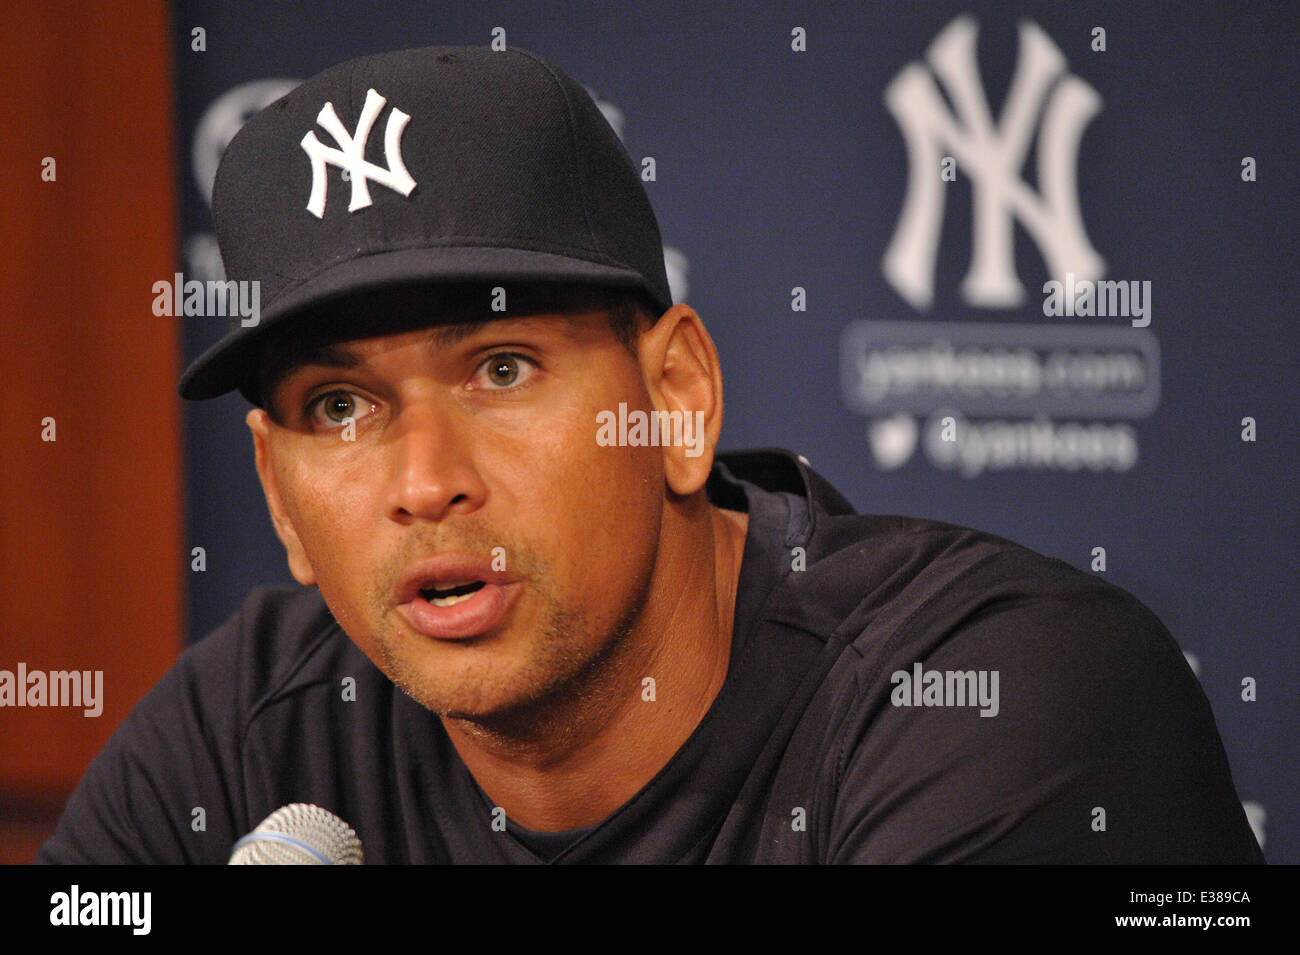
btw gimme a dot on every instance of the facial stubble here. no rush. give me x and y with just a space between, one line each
560 683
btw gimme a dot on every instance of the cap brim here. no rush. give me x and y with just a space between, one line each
226 365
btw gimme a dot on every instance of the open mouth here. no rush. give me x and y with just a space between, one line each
431 595
451 595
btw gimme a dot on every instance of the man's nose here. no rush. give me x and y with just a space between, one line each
434 468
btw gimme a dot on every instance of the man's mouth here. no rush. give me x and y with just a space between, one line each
455 596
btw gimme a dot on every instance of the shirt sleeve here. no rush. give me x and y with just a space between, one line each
1099 745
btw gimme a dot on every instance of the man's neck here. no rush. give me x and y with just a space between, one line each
573 762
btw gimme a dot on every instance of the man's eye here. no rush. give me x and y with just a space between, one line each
504 370
334 407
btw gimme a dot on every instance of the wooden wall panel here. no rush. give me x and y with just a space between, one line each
91 551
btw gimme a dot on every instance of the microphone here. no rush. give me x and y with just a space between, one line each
299 834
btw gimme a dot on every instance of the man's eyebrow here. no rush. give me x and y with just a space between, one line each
451 335
330 356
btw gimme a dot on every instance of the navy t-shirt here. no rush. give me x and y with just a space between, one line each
899 690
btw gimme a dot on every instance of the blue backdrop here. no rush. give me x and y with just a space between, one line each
864 203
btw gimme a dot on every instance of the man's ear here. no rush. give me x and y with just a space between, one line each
682 374
259 422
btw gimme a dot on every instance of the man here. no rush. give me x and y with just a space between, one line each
542 619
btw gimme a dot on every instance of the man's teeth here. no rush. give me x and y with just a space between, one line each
448 601
453 593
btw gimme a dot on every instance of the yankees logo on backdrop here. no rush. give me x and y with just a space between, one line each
992 156
350 156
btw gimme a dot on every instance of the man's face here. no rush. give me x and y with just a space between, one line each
483 447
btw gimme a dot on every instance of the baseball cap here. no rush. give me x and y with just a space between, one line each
441 164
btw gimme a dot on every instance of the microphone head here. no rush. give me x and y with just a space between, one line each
299 834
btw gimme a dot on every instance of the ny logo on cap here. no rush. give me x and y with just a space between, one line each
351 155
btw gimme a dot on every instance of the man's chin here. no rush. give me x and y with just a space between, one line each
468 701
478 694
515 682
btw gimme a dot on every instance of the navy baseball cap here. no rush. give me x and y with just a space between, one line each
438 165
